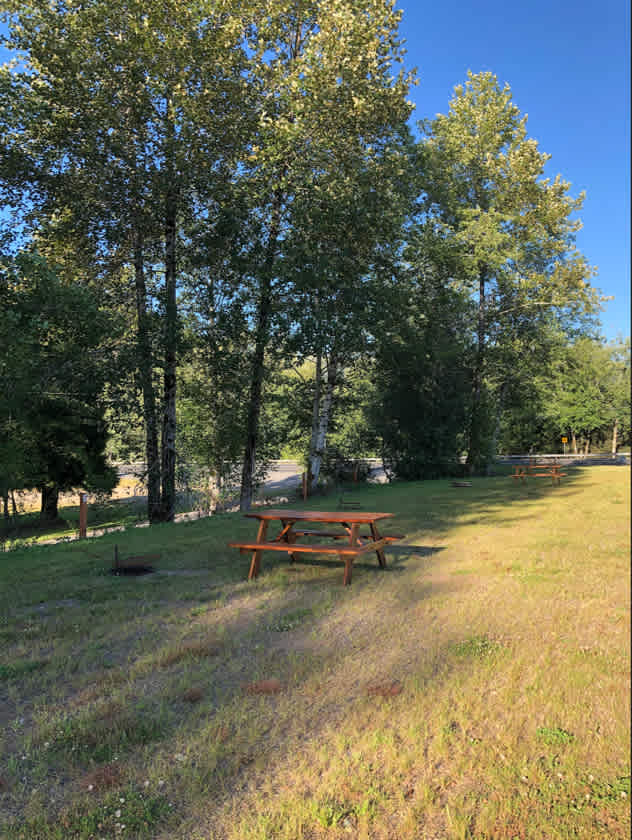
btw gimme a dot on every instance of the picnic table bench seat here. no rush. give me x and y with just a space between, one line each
292 548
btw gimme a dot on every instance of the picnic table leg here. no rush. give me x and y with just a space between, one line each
290 538
348 558
380 553
256 555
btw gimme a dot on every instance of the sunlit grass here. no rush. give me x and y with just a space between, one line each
477 688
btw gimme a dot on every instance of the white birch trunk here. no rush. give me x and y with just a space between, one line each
316 458
615 430
318 380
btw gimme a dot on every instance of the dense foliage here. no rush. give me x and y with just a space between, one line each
235 186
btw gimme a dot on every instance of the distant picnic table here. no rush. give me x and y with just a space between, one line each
538 469
347 542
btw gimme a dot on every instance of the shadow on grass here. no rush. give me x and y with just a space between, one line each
395 557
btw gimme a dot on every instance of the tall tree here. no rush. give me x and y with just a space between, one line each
331 93
123 117
421 377
55 341
588 396
503 229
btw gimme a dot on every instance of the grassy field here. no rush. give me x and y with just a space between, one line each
479 687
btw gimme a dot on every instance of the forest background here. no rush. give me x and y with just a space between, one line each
223 243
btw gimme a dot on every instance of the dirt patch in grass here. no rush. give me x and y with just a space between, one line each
384 688
193 695
105 777
263 687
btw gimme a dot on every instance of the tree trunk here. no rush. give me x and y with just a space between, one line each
318 381
574 442
145 370
475 431
13 504
50 500
493 447
256 389
615 431
323 421
261 341
587 445
5 506
168 507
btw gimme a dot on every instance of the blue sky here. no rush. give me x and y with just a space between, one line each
568 66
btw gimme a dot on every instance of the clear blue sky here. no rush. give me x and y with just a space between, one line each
568 66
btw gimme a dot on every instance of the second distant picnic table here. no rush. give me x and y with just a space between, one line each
551 470
347 543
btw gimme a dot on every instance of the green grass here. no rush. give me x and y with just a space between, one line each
27 529
504 617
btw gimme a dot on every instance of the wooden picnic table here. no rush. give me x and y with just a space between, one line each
347 543
539 470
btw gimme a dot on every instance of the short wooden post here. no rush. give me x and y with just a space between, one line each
83 514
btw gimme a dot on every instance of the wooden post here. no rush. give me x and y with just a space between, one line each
304 486
83 514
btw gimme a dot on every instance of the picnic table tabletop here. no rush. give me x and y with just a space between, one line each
320 515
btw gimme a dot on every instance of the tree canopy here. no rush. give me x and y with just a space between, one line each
223 242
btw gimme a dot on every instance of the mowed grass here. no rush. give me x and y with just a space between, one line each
479 687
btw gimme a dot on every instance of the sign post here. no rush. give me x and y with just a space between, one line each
83 514
564 442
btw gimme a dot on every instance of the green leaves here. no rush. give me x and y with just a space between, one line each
54 357
505 235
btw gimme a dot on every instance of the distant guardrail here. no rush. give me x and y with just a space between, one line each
597 459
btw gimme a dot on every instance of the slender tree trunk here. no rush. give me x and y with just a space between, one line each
574 442
318 381
258 371
493 447
587 445
475 432
169 392
14 507
615 432
323 420
145 369
171 339
5 506
50 500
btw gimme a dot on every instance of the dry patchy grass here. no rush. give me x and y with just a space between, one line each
477 688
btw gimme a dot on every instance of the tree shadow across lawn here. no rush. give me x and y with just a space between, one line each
396 557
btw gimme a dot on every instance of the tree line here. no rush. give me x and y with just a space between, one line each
222 241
